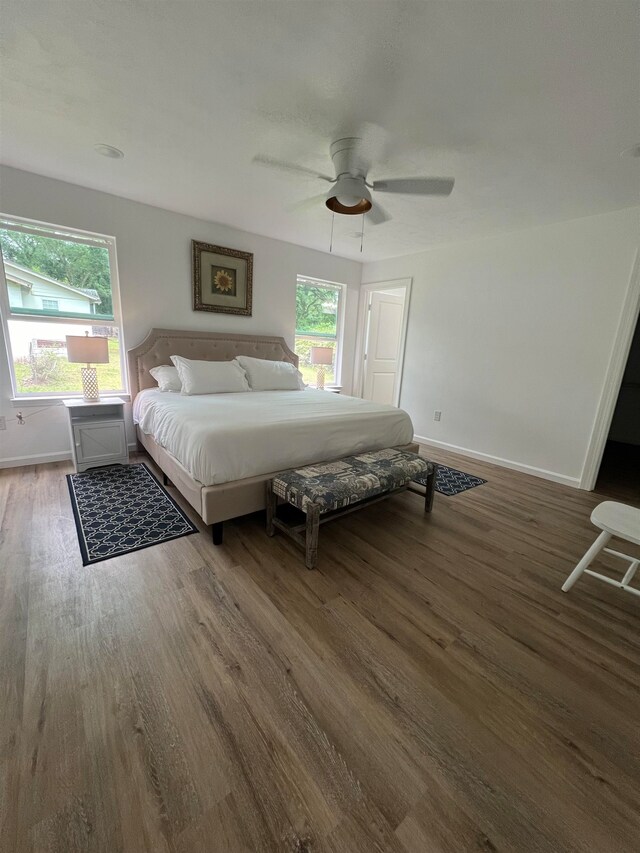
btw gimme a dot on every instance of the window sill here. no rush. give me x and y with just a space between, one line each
19 402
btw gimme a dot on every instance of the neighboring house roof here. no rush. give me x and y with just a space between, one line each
91 292
27 278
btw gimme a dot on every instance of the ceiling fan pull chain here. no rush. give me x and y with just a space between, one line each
333 216
362 234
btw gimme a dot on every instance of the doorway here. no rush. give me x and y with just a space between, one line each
383 316
619 475
626 332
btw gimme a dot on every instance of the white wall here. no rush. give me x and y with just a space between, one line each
15 295
154 264
510 338
65 299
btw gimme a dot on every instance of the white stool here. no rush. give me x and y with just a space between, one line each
613 519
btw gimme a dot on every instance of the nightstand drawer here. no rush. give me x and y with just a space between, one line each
104 441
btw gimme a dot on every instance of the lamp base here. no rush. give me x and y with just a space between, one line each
90 384
320 379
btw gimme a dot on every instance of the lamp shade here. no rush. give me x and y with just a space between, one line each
321 355
82 349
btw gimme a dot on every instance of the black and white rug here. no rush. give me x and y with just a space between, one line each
122 508
450 481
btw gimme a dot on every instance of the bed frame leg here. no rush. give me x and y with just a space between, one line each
216 532
165 479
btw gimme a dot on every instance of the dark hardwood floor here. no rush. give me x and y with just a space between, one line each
429 688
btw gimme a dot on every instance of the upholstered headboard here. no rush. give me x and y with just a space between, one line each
160 344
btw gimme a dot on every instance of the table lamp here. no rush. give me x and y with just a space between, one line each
321 356
88 351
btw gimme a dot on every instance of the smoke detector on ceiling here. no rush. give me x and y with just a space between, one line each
109 151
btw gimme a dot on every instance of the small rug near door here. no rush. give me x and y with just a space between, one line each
450 481
122 508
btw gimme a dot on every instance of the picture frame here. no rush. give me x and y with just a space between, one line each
222 279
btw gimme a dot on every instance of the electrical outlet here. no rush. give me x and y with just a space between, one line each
437 415
3 422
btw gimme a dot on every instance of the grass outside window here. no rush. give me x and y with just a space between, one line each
51 373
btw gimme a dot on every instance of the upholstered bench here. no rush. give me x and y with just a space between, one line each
329 489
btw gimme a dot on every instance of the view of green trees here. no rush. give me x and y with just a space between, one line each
63 260
316 310
316 325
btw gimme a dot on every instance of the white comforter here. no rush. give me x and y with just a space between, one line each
224 437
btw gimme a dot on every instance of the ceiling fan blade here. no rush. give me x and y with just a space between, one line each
289 167
415 186
315 201
377 215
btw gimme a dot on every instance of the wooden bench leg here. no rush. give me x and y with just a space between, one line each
272 501
430 489
311 538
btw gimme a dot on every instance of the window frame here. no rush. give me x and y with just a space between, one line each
340 314
76 235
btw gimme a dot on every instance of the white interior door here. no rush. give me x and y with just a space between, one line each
382 348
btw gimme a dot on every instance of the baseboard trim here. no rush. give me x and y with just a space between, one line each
43 458
34 459
574 482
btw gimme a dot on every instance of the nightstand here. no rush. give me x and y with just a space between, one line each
98 435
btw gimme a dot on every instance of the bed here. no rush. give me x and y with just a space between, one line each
219 450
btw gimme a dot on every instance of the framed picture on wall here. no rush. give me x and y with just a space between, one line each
222 279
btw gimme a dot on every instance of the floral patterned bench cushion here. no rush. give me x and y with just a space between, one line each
332 485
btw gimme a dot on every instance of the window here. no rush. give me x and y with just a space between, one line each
57 282
318 323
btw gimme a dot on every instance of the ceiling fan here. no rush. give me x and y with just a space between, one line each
350 192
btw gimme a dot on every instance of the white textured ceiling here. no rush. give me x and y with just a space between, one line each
526 102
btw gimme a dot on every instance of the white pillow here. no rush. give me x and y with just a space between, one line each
265 375
167 377
210 377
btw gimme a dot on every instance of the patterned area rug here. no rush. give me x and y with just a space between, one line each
450 481
122 508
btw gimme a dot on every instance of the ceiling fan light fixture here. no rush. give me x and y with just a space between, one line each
349 196
362 206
